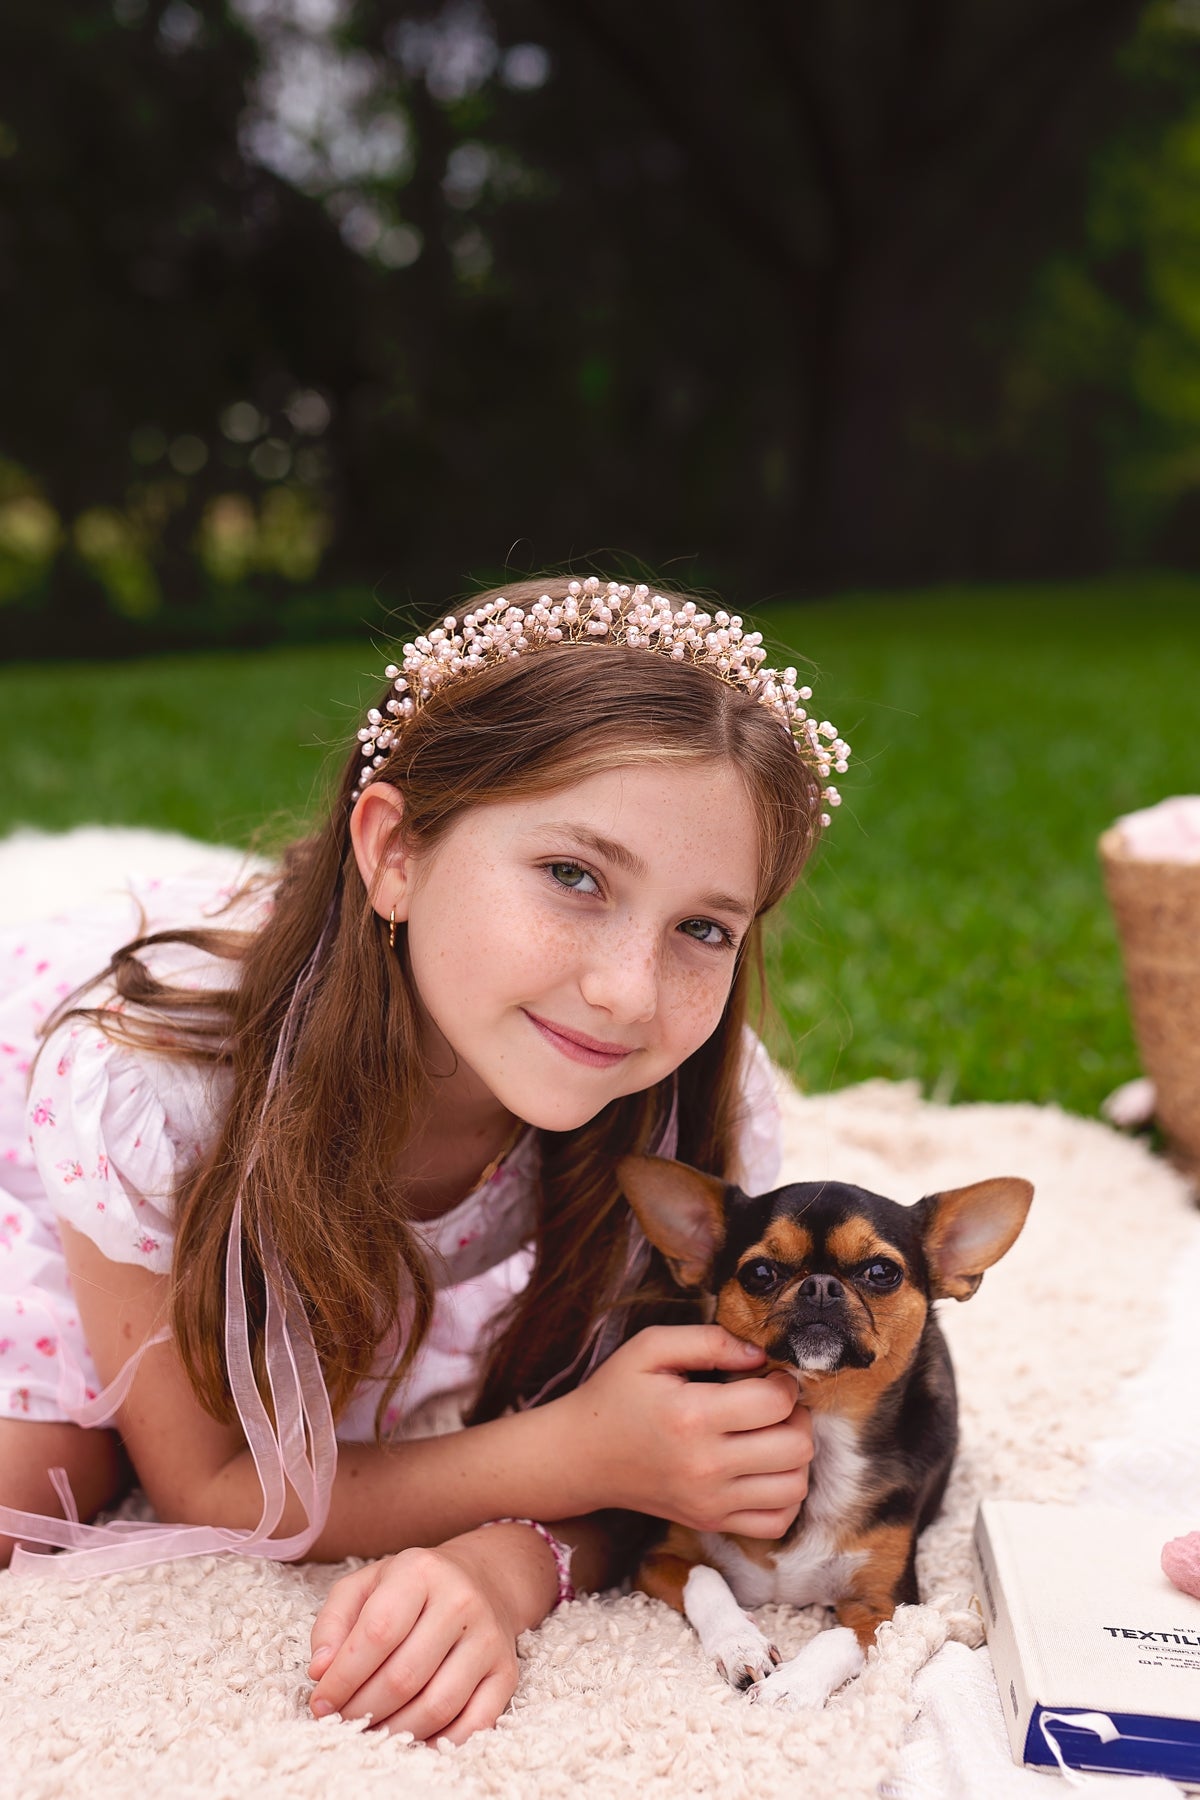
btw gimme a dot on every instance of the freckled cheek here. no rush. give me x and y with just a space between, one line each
540 949
694 1003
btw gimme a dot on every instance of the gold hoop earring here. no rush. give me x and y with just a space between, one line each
392 929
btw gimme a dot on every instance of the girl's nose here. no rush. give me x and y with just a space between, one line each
622 980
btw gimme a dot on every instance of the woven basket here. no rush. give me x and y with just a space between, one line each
1157 909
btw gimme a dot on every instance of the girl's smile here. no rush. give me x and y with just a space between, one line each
580 944
580 1048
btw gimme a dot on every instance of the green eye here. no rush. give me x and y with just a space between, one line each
705 931
568 874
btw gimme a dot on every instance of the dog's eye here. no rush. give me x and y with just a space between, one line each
759 1276
883 1274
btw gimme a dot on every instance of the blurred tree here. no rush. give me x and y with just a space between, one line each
1104 378
391 293
148 280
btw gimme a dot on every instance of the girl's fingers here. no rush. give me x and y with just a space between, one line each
333 1623
771 1524
758 1506
386 1620
769 1492
772 1450
402 1676
751 1405
679 1347
451 1692
481 1711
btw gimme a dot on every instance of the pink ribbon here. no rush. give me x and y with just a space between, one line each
300 1451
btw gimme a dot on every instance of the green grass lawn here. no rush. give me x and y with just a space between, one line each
954 926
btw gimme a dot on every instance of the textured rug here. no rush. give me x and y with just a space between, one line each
189 1679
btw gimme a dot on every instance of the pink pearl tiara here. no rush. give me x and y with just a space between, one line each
591 613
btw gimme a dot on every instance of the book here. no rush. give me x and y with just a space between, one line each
1095 1651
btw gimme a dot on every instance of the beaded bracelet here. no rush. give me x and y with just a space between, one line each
561 1553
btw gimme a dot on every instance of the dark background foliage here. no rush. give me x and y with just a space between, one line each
317 308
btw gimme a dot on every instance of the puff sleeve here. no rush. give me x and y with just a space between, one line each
113 1129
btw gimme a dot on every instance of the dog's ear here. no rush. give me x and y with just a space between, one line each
966 1230
681 1211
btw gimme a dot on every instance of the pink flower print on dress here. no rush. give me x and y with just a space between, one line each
10 1228
39 968
147 1245
100 1172
70 1171
64 1062
18 1400
43 1113
46 1346
6 1345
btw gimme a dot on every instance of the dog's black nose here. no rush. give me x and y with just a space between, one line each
821 1290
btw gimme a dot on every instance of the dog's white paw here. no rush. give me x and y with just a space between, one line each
745 1656
831 1658
728 1635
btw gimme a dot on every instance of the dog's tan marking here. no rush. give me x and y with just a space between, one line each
850 1394
785 1240
899 1321
746 1315
856 1241
877 1581
664 1570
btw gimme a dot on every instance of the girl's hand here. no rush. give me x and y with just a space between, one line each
426 1641
717 1456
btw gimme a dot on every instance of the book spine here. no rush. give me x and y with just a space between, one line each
1006 1640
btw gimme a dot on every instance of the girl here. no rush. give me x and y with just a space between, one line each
340 1148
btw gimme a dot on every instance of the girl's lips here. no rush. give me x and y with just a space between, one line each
578 1047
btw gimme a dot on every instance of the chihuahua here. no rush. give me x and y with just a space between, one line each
836 1285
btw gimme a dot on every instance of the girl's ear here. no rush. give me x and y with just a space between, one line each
379 852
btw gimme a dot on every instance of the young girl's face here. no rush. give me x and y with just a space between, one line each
580 944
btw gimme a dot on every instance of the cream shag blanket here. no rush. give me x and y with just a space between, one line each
189 1679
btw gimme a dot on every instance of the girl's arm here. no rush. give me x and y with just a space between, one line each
638 1435
425 1641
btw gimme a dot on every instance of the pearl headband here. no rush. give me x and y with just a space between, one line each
496 632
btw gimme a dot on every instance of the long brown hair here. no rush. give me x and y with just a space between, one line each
315 1156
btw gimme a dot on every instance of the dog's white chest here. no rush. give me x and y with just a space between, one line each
809 1570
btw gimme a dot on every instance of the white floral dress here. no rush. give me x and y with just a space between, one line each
99 1135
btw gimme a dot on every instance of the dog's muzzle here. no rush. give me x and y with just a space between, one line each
817 1336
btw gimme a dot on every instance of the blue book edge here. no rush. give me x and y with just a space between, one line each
1144 1745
